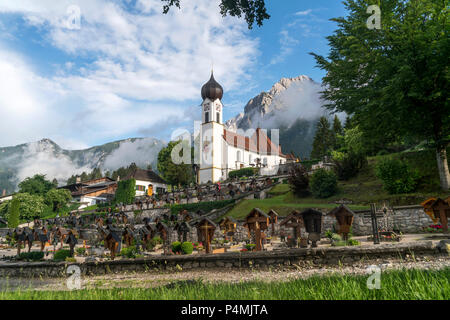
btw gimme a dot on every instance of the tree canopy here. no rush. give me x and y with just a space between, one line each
57 198
252 10
174 174
37 185
393 80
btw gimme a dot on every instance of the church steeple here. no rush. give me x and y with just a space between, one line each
212 89
212 93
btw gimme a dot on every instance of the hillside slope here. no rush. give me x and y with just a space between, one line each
47 157
362 190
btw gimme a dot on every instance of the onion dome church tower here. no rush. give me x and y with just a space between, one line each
211 148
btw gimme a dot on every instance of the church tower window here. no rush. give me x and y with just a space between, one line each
206 117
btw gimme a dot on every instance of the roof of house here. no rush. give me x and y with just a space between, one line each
259 142
145 175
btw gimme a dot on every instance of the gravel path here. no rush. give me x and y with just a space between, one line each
151 280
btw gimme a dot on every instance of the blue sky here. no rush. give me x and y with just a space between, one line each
129 71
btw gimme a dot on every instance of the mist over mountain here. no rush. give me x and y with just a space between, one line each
293 105
47 157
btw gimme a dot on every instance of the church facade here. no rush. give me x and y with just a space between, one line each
222 151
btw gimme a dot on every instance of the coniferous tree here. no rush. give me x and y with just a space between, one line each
323 140
14 214
337 132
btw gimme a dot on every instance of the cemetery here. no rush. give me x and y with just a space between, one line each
148 237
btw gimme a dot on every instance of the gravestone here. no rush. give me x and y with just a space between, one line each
313 225
344 217
295 221
257 221
205 232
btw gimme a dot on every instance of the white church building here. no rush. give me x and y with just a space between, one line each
222 150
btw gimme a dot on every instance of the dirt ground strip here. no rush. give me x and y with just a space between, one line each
152 280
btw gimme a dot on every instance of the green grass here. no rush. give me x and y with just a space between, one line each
362 190
395 285
283 204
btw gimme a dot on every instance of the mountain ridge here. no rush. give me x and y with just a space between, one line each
292 105
46 157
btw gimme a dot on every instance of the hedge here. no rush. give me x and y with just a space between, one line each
245 172
204 206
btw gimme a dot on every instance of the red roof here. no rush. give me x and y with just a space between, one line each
259 142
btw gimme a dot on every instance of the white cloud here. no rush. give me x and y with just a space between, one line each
288 44
303 13
144 65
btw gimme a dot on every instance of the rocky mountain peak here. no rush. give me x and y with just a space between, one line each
265 103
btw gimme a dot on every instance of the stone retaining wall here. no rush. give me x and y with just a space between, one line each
269 259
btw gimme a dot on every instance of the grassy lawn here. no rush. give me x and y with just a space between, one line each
362 190
398 285
283 205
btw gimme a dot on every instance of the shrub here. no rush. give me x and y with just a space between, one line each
329 234
353 242
323 183
348 165
245 172
157 240
80 251
250 246
336 237
203 206
176 247
299 181
31 256
187 247
130 252
61 255
397 176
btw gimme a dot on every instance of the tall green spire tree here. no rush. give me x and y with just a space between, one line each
323 140
393 81
338 130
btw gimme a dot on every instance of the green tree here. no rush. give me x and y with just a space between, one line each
393 81
37 185
337 132
251 9
55 183
95 174
323 183
72 180
30 205
126 191
14 214
57 198
174 174
323 140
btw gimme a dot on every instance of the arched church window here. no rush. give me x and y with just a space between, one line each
206 117
238 156
218 117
